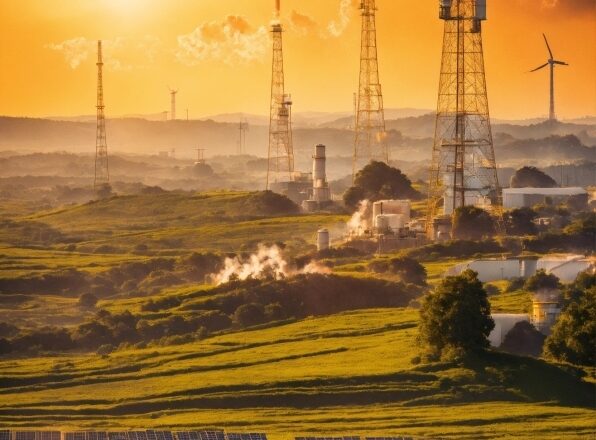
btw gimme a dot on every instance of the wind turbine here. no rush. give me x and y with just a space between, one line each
172 103
551 62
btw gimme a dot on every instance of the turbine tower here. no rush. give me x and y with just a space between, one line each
281 151
370 136
173 104
552 116
102 176
463 170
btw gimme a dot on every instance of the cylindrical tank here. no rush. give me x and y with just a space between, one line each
322 239
381 222
402 207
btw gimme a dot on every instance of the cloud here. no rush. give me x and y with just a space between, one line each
301 23
232 40
75 50
119 54
337 27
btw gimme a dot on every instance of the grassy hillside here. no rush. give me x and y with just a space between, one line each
348 373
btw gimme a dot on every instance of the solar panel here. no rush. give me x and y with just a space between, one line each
138 435
4 434
24 435
249 436
329 438
117 436
211 435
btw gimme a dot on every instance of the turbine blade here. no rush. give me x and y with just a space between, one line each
538 68
562 63
548 46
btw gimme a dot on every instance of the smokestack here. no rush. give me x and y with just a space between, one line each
277 8
321 191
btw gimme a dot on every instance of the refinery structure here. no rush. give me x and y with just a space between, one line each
463 170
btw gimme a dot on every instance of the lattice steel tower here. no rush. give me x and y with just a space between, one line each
463 170
102 175
173 104
281 150
370 136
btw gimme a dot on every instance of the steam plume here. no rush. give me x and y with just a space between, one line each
337 27
359 221
232 40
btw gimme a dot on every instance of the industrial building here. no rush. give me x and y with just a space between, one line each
566 268
504 322
320 193
528 197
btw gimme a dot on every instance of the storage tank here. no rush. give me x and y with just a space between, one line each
381 222
322 239
402 207
393 222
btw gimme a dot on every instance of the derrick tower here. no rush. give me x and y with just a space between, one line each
102 176
369 133
463 170
281 151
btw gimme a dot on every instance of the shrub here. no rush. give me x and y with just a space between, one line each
515 284
409 270
471 223
249 314
542 280
531 177
105 350
87 300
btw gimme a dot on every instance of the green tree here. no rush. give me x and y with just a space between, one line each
377 181
472 223
456 316
573 337
542 280
521 221
531 177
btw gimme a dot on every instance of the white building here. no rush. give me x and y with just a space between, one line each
528 197
546 309
504 322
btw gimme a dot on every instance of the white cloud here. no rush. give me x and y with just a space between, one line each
232 40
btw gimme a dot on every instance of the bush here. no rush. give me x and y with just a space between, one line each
105 350
471 223
269 203
531 177
542 281
409 270
515 284
248 315
456 317
523 340
521 221
87 300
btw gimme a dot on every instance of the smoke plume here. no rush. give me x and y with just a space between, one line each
267 262
337 27
232 40
75 50
301 23
360 219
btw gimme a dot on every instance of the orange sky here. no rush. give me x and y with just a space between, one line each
223 65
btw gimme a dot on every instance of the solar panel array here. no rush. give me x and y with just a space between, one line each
389 438
252 436
200 435
4 434
354 437
30 435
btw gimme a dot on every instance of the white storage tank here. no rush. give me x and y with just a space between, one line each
402 207
323 241
389 222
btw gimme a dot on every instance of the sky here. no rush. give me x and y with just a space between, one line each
217 54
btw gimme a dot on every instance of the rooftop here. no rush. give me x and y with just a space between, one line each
569 191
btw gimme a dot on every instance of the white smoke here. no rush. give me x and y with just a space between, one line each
337 27
232 41
360 219
77 51
266 262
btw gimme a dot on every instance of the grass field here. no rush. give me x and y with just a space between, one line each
350 373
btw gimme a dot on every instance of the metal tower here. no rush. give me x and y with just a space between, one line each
102 176
281 150
173 104
463 170
370 136
242 128
551 62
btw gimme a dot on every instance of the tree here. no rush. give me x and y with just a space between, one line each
456 316
531 177
521 221
377 181
472 223
542 280
270 203
573 337
409 270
